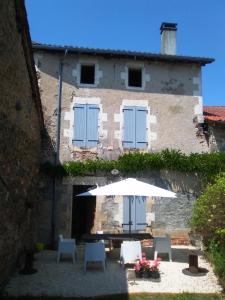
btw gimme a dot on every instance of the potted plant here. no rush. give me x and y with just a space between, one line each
154 268
147 268
39 247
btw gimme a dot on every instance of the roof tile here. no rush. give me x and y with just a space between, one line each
214 113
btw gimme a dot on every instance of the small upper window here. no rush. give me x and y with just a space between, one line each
87 74
135 77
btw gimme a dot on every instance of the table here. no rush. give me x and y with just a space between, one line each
117 236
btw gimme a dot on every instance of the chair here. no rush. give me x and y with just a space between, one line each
66 246
100 232
162 245
106 242
95 252
130 252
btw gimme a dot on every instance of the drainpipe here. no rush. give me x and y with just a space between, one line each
59 101
57 150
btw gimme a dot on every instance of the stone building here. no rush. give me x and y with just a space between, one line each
103 103
21 123
215 127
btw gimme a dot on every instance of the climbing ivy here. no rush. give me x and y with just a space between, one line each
206 165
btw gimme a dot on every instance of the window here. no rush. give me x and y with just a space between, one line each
135 129
87 74
85 132
138 212
135 77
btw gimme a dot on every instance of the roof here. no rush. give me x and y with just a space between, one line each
123 54
214 113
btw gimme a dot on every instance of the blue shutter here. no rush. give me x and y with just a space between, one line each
141 128
129 127
79 132
92 125
126 200
125 212
140 212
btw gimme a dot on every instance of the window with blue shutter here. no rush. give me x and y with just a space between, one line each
135 129
140 127
126 213
79 132
129 127
85 132
138 212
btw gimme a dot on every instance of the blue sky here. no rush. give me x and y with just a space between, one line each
134 25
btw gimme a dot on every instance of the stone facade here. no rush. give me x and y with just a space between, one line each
214 127
163 215
170 92
216 136
21 122
172 95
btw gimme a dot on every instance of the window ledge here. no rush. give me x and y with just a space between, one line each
135 88
84 150
87 85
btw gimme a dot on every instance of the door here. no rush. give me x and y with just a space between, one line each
137 212
83 212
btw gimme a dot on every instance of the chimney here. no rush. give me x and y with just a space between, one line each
168 38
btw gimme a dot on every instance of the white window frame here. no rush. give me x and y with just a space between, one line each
135 66
77 72
132 102
69 116
87 64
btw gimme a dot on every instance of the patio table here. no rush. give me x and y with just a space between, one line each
117 236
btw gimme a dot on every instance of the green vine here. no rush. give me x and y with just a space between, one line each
207 165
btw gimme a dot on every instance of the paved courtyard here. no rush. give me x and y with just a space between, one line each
69 280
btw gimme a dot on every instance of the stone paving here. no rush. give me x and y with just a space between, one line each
69 280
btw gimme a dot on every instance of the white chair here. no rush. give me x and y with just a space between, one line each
130 252
66 246
100 232
94 252
106 242
162 245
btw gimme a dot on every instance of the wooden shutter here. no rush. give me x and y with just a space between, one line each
140 212
126 200
129 127
80 121
92 125
140 128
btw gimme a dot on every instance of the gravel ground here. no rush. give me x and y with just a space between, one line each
69 280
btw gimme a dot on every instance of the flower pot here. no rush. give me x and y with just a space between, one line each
147 274
139 274
155 274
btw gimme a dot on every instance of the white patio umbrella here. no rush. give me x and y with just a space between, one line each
129 187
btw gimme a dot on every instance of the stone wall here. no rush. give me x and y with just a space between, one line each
172 95
171 215
217 137
20 138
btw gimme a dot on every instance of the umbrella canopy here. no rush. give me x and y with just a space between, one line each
129 187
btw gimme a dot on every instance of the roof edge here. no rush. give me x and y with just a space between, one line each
124 53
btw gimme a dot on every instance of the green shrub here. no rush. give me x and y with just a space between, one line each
208 219
216 254
208 216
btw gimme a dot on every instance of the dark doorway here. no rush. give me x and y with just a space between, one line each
83 214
